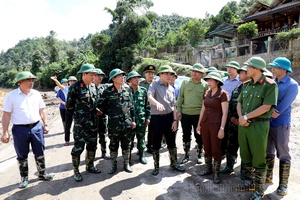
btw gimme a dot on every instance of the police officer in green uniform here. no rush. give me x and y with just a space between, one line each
102 119
148 71
117 103
255 104
142 113
81 103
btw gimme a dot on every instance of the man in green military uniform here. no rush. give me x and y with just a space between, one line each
255 104
148 71
189 104
81 104
142 113
102 119
117 103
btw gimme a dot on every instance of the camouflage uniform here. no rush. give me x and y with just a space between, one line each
142 112
120 111
102 129
81 103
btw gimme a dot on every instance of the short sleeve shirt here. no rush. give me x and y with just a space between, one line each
213 106
253 95
24 109
164 94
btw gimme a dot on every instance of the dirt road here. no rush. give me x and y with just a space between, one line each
137 185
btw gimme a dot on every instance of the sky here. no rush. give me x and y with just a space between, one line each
73 19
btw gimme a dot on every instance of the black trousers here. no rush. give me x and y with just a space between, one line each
187 123
161 125
69 121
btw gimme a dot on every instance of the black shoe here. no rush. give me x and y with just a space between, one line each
155 172
105 156
113 169
24 182
93 170
77 177
46 177
127 168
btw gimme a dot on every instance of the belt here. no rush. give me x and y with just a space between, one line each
259 119
28 125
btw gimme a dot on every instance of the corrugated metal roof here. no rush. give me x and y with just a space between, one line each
272 11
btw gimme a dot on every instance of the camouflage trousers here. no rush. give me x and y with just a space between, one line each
232 140
139 132
102 130
84 134
118 136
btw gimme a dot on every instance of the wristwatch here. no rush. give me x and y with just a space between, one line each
245 117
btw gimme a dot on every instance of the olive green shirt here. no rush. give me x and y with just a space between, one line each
253 95
145 84
190 97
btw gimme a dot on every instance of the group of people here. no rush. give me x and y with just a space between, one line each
245 110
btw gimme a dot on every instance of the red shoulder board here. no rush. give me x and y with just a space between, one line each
269 80
112 89
81 84
261 81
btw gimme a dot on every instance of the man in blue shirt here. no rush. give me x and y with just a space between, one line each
279 133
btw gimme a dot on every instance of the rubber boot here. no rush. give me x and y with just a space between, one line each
126 155
142 158
113 159
230 160
208 167
104 155
248 184
186 148
77 175
259 182
174 161
199 157
155 154
242 176
89 162
216 167
270 166
41 167
284 173
23 167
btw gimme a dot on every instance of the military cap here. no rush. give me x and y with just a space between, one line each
99 71
114 73
86 68
132 74
215 76
233 64
165 69
198 67
282 62
243 68
211 69
149 68
25 75
256 62
72 78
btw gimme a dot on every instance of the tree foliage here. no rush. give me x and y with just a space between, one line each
249 29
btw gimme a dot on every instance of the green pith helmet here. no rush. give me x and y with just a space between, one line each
198 67
256 62
25 75
132 74
211 69
64 80
85 68
165 69
99 71
72 78
244 68
233 64
114 73
215 76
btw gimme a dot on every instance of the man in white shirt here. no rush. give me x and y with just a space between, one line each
24 106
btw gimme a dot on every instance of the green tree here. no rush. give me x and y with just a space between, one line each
249 29
53 47
194 31
37 62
